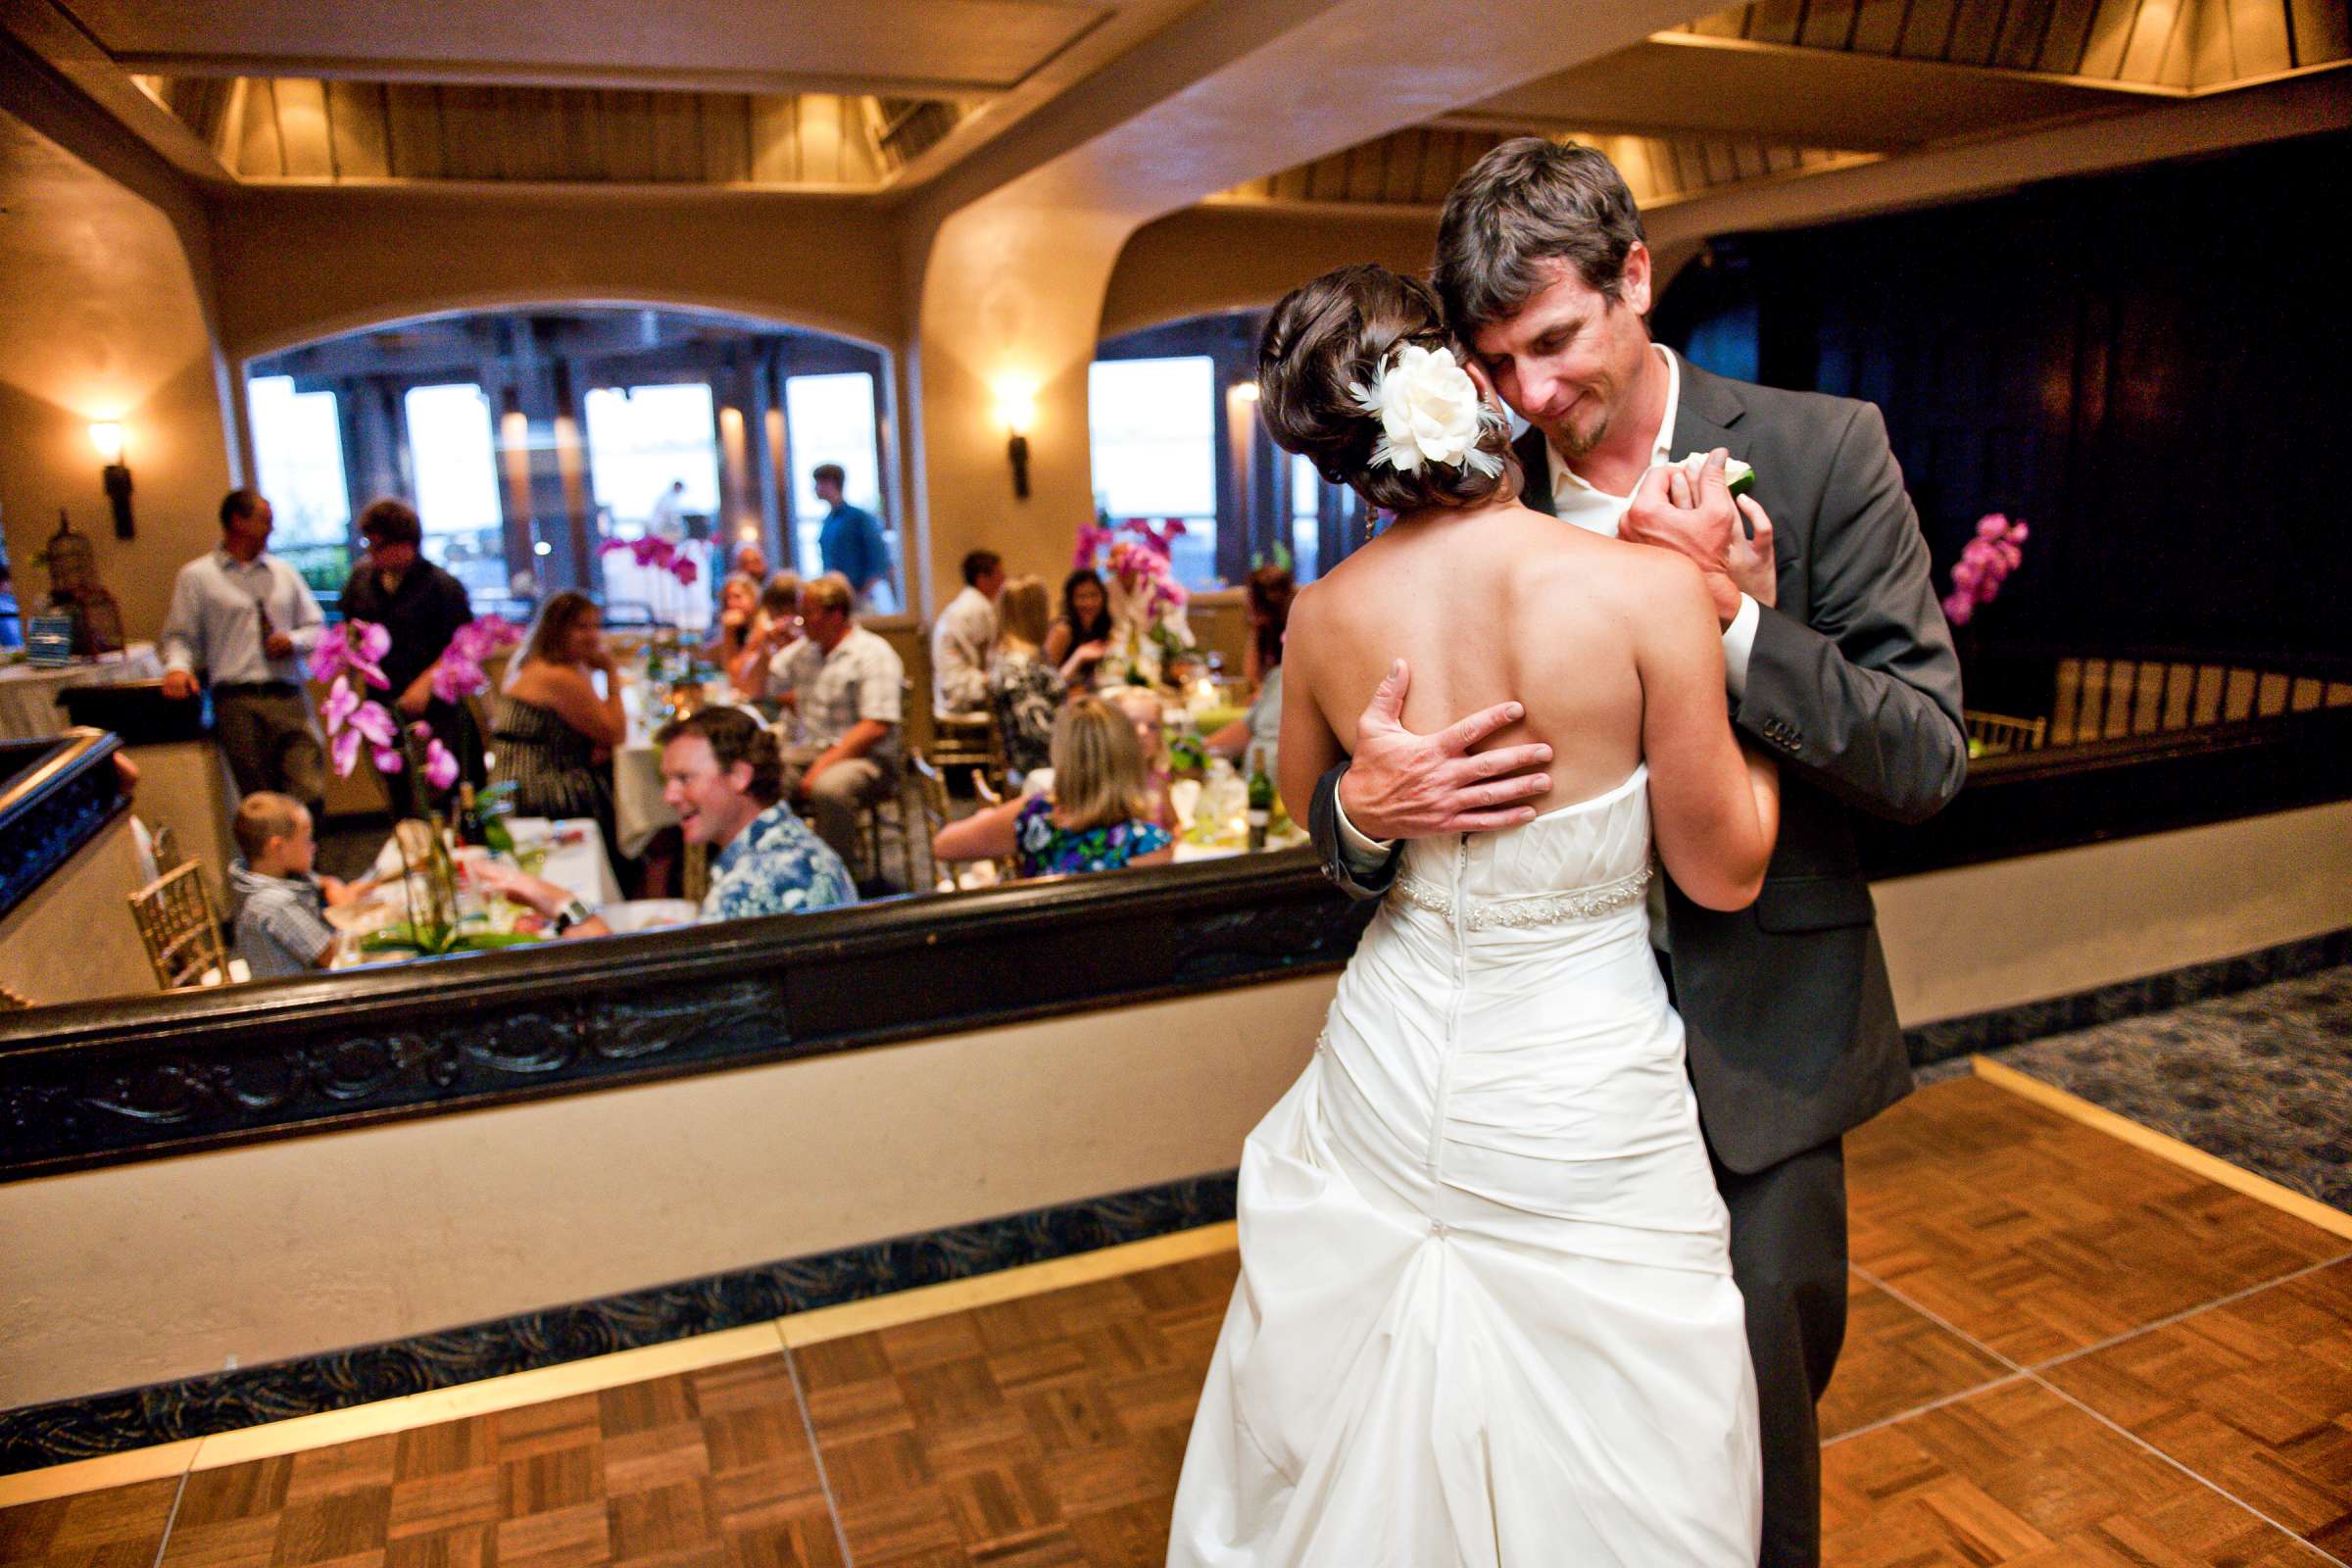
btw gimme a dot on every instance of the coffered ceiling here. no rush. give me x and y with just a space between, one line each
916 47
880 96
1783 89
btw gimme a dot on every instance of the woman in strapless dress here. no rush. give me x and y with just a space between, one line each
1486 1312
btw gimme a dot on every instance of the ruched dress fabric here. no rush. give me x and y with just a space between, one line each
1486 1313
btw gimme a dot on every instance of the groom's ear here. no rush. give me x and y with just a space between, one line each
1634 279
1483 382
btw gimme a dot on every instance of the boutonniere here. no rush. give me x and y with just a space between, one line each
1737 476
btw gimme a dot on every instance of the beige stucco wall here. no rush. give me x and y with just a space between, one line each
140 1273
72 939
1232 258
301 264
100 319
1981 937
164 1270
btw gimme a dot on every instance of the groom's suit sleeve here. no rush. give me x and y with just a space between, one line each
1864 695
1355 878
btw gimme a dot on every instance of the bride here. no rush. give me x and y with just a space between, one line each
1486 1312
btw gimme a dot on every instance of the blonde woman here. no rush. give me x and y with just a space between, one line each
1098 816
1023 688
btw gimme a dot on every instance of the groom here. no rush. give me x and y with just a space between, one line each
1837 662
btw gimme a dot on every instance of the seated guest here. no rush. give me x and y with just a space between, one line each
731 630
1082 630
551 733
1142 706
751 561
281 906
1271 591
847 687
723 774
775 626
963 636
422 606
1023 690
1096 817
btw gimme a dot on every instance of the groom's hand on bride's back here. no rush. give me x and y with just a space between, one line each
1399 785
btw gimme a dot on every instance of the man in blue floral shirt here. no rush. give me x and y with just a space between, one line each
723 775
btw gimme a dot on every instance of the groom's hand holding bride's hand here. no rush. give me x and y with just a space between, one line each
1399 785
1698 519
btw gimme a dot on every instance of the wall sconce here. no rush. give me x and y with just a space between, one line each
1245 391
1017 405
106 436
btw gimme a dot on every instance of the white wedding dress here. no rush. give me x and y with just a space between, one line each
1486 1312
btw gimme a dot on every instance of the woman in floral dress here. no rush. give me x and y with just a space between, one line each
1096 817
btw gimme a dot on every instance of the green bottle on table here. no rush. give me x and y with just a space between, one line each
470 817
1260 809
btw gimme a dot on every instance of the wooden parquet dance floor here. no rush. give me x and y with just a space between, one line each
2063 1350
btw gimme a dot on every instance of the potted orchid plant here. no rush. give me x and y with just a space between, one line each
1147 603
1986 563
356 724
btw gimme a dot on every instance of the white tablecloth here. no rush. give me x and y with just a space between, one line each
28 707
638 810
576 861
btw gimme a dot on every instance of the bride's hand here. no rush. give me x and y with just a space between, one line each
1749 562
1399 785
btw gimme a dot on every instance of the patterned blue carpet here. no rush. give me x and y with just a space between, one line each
2262 1079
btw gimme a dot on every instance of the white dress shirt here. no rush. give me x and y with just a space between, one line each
959 643
1589 507
215 623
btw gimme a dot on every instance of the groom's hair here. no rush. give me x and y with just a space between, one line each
1524 206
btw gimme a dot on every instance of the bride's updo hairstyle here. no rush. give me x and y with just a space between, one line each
1341 332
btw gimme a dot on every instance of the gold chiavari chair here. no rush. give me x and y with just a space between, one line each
1992 734
181 929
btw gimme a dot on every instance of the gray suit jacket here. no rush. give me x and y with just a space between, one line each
1854 686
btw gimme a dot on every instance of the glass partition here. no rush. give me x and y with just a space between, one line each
456 484
298 459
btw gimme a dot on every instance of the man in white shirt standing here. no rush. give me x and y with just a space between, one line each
248 621
962 637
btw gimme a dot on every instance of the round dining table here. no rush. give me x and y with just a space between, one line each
28 707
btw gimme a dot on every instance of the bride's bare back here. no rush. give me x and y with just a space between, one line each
1611 649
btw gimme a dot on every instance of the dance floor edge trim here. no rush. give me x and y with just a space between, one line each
2211 1168
616 1369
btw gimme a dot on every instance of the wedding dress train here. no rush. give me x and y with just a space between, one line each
1486 1313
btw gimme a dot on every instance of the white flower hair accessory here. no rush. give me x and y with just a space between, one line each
1428 411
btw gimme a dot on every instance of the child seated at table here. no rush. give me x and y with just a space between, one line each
281 904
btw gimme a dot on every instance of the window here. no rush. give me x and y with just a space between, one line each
1152 425
297 457
644 440
455 469
831 419
1307 517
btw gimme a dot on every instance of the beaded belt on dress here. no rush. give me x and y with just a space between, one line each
1532 910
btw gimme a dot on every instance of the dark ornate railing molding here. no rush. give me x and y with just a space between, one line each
104 1083
64 793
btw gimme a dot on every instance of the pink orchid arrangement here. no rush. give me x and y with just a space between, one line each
656 553
459 674
1984 563
1141 566
357 647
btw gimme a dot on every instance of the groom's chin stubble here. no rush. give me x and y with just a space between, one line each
1572 443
